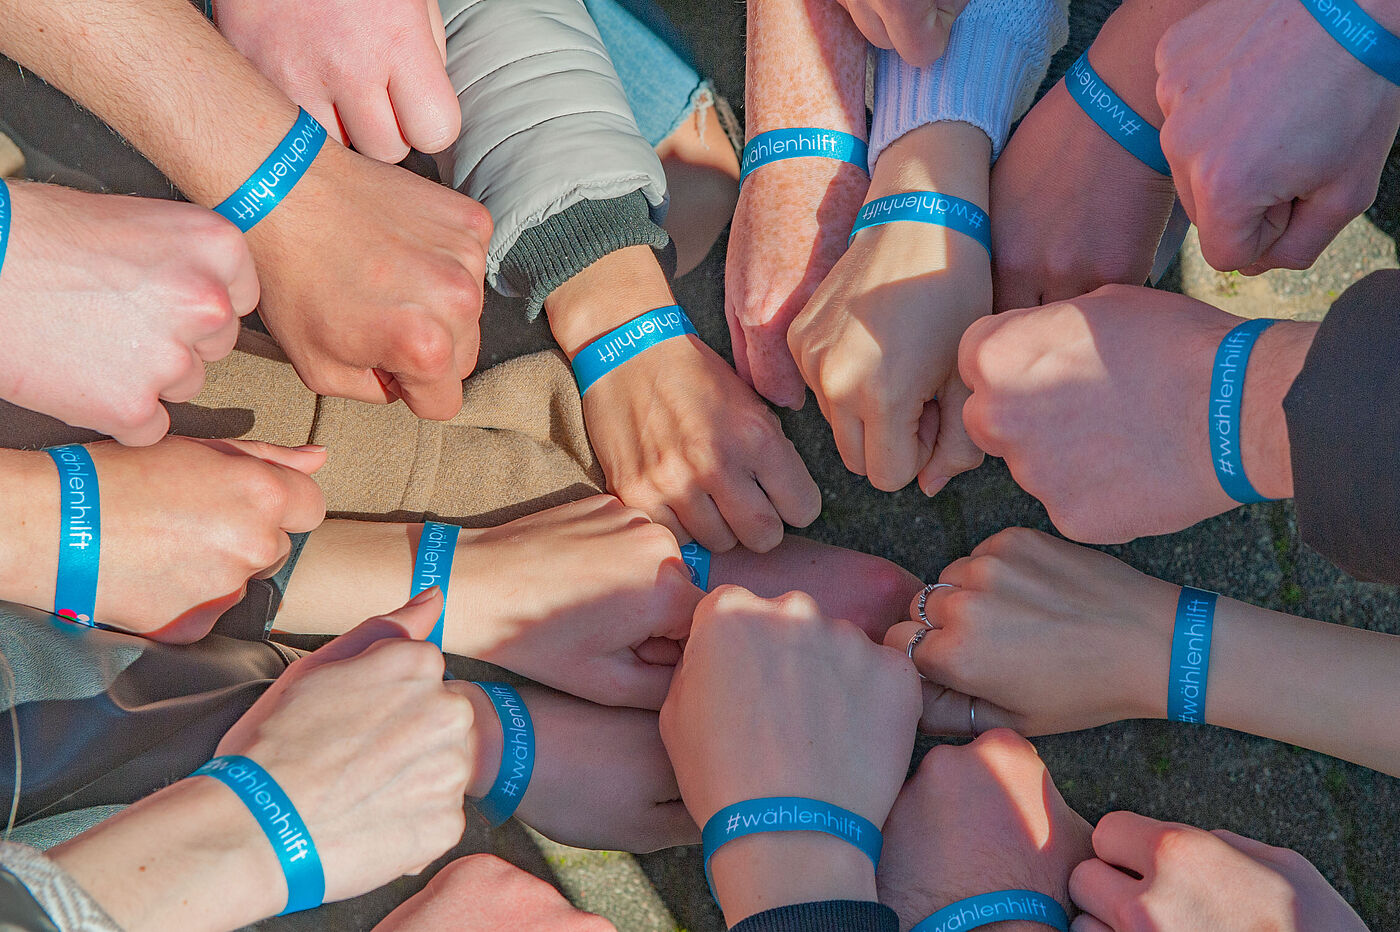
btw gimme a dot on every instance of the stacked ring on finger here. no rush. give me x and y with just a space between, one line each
923 601
913 643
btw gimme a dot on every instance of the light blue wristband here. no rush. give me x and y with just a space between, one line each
808 142
517 754
260 194
1356 31
788 814
1186 683
1226 404
4 221
79 535
433 566
943 210
280 822
1114 116
630 340
697 560
1001 906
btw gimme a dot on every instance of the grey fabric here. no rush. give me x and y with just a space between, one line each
545 121
67 905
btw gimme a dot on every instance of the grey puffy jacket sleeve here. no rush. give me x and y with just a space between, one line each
548 143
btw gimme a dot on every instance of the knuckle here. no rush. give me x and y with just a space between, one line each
425 346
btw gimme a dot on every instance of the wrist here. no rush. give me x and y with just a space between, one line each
770 870
30 514
1124 52
485 741
950 158
615 289
1277 359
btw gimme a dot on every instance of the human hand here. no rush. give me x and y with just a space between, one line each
1269 186
185 524
1100 407
773 699
916 29
1049 636
978 819
601 778
371 746
1193 879
372 283
110 305
376 76
482 893
789 229
1095 219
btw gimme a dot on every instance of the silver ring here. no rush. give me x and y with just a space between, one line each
913 643
923 600
972 716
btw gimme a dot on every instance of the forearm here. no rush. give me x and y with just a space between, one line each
805 67
1125 50
757 873
30 516
950 158
160 75
607 294
1273 367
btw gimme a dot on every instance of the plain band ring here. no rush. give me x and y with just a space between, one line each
972 717
923 600
913 643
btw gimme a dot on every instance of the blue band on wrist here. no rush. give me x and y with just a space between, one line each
280 822
1001 906
780 144
79 535
943 210
433 566
4 221
1114 116
1226 403
517 754
630 340
697 560
1356 31
1186 689
260 194
788 814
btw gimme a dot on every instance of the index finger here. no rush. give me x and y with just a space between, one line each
436 396
415 620
1126 839
920 31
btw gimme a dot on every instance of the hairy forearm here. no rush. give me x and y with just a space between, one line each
1125 50
805 67
162 76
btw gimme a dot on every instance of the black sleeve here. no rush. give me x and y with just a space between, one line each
826 916
1343 414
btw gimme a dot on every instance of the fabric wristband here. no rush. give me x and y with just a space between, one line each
808 142
630 340
943 210
697 560
280 822
517 754
4 221
79 535
433 567
1186 683
1001 906
788 814
1358 32
261 193
1114 116
1226 404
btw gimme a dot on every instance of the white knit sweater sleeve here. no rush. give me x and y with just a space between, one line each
998 53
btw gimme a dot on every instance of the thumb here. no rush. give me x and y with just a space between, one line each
641 685
304 459
414 620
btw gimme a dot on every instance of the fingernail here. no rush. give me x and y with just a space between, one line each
312 448
935 486
427 595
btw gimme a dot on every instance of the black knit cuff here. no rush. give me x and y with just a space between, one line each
826 916
546 256
1344 432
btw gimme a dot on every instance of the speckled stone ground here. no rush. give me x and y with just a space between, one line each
1345 818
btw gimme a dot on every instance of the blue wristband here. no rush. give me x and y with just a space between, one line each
697 560
517 754
260 194
788 814
1226 397
79 535
433 566
4 221
1114 116
943 210
280 822
780 144
630 340
1356 31
1186 684
1001 906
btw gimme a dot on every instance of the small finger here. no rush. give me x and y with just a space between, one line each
749 513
